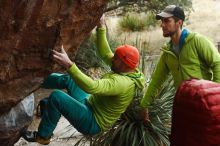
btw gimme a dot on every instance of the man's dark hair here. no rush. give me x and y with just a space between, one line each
177 19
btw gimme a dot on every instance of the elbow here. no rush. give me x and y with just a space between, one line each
90 89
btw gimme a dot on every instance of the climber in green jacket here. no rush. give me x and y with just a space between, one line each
91 106
187 55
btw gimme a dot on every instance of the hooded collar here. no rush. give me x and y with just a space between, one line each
185 37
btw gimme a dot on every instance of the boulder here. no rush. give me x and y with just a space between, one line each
18 118
29 31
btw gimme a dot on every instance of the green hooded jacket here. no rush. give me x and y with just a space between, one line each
111 94
198 58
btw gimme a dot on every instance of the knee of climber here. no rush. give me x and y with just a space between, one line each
60 79
63 80
52 81
56 97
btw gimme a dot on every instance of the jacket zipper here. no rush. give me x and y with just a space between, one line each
178 58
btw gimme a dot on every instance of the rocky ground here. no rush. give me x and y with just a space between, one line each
64 134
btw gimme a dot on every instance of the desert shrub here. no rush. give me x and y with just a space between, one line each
137 22
87 56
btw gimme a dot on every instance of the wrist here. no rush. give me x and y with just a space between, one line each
99 27
69 64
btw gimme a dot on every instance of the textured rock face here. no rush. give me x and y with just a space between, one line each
29 31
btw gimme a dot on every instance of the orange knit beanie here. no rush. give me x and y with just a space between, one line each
129 55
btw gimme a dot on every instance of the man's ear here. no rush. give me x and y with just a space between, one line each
180 22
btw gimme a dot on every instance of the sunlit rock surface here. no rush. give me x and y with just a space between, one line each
29 31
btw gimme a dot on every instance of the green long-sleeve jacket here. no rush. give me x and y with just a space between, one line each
198 59
111 94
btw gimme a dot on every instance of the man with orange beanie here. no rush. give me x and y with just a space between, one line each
91 106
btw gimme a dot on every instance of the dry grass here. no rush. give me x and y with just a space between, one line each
153 37
205 19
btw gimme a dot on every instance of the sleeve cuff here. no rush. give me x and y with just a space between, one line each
73 69
100 29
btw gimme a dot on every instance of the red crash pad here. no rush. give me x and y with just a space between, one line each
196 114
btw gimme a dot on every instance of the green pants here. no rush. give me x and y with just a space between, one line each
73 105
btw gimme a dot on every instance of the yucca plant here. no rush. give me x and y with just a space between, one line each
129 130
